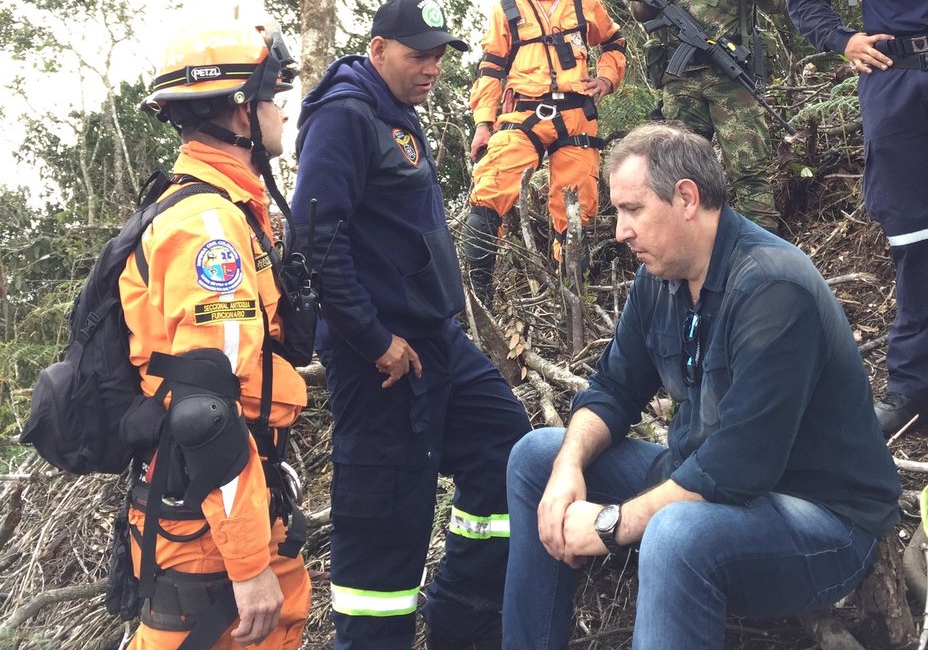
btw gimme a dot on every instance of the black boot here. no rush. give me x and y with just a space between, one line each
481 231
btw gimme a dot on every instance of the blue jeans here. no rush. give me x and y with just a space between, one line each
778 557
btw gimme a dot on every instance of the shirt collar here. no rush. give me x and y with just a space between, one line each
725 237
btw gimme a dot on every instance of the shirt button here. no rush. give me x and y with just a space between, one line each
677 463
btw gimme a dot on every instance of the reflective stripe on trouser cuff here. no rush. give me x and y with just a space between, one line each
363 602
908 238
476 527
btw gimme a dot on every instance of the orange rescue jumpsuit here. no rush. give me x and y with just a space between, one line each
163 316
536 72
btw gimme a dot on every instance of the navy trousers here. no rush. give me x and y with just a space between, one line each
460 419
894 107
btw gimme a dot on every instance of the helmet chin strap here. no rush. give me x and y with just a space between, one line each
224 134
261 159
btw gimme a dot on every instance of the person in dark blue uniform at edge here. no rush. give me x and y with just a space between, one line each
411 396
892 56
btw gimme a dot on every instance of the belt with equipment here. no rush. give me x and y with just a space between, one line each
909 52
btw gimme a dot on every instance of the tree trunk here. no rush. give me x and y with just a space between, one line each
318 40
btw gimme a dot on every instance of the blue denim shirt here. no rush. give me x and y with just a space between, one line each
782 402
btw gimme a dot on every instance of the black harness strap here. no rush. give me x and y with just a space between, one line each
570 101
511 11
287 509
224 611
167 202
582 140
527 130
613 44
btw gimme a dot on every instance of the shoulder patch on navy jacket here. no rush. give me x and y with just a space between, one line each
407 144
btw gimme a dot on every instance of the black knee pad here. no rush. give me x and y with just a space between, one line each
206 425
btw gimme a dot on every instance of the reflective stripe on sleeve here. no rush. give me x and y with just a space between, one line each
362 602
476 527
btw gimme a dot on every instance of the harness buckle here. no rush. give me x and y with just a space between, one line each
546 111
292 482
920 44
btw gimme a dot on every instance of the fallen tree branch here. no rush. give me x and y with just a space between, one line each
545 399
911 465
873 343
829 633
850 277
37 603
554 372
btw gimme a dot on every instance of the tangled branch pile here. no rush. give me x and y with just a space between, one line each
546 333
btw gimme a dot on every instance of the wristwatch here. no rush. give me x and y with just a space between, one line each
607 525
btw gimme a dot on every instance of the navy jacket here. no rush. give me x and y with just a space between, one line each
817 21
390 265
783 403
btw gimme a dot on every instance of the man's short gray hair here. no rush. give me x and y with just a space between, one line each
673 153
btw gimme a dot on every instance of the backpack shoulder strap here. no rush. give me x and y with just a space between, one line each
581 20
153 210
511 11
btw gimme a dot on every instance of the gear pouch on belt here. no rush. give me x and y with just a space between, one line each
656 56
122 587
140 427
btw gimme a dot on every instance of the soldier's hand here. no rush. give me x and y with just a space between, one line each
597 87
397 361
860 51
259 601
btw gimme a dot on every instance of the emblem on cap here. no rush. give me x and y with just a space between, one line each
432 15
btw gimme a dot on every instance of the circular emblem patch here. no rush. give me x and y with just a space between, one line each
432 14
219 266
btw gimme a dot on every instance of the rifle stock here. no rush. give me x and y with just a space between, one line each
724 55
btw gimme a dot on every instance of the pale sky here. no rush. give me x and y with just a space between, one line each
62 92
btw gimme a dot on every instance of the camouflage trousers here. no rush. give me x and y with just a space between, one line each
711 104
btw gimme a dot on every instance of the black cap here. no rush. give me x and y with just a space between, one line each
419 24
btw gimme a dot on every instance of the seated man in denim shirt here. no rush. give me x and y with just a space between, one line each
776 485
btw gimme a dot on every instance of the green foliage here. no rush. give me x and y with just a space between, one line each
102 172
91 160
287 13
841 105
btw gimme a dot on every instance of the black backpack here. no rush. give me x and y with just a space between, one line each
78 402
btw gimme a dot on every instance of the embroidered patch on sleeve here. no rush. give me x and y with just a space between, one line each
407 144
217 312
219 266
262 262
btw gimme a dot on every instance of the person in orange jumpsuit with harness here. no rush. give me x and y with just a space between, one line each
534 94
203 306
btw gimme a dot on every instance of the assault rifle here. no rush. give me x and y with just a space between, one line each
723 54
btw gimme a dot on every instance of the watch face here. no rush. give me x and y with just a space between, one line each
607 518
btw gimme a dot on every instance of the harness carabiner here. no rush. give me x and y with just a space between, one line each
546 111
